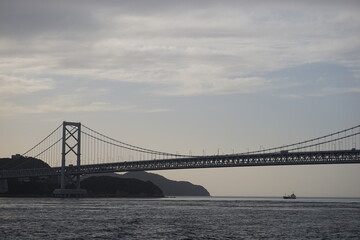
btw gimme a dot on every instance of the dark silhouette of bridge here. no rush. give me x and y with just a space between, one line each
73 149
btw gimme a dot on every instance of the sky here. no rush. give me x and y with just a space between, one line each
188 76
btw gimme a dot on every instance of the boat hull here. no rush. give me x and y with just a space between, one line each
292 196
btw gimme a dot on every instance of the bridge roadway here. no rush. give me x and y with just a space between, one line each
216 161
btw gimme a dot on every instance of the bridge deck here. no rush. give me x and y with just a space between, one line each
217 161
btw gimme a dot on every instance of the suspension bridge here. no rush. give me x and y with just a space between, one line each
73 149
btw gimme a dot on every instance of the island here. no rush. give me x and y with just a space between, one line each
169 187
106 186
96 186
130 184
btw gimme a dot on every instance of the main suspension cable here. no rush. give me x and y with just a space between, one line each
129 146
42 140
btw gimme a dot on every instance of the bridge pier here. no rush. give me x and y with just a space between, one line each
3 186
69 193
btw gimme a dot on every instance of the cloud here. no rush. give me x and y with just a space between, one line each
314 79
331 91
159 110
61 104
20 85
289 96
183 49
212 86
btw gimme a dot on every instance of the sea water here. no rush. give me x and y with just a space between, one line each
179 218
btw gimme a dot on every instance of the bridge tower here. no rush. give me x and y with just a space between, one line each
71 145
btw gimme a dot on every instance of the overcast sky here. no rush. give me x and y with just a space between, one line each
181 76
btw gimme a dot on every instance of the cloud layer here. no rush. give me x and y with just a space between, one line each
192 48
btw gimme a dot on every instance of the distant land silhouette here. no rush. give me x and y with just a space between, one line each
113 185
169 187
20 162
106 186
44 186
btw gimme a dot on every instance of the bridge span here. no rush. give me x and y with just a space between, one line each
217 161
73 149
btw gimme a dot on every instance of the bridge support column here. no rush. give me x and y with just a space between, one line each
71 145
3 186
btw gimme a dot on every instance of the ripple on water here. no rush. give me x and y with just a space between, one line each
162 219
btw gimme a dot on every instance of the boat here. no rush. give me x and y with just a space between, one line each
292 196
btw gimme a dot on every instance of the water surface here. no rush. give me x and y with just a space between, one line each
179 218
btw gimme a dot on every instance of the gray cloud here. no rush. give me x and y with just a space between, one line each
12 86
186 48
37 17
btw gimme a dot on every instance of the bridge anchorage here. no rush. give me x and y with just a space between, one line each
73 150
71 145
